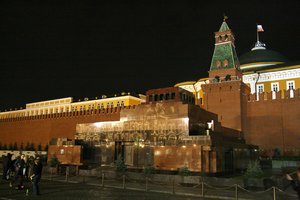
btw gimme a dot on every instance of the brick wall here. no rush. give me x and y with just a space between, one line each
274 123
228 100
41 129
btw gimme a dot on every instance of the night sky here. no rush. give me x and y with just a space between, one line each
54 49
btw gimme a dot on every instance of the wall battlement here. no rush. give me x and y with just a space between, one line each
71 114
275 96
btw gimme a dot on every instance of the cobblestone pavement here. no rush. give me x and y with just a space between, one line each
54 190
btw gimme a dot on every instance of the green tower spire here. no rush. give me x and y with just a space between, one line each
224 56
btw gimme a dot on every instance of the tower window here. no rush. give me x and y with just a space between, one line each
217 79
225 63
227 77
218 63
226 37
220 38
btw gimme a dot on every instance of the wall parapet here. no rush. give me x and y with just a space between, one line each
275 96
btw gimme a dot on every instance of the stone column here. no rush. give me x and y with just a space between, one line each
206 159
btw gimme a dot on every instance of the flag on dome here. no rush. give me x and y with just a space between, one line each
260 28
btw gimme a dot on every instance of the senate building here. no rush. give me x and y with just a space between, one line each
248 106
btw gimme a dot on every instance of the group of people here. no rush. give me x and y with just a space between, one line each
23 170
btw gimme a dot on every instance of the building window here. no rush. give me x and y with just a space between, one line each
150 98
80 108
173 95
161 97
290 85
167 96
107 105
89 107
260 88
122 103
112 104
156 97
275 87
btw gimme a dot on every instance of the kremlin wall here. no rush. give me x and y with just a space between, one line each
215 124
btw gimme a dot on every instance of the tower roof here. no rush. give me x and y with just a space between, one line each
224 27
224 56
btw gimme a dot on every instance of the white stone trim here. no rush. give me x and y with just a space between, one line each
251 79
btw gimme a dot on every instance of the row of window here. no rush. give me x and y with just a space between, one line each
161 97
224 63
290 85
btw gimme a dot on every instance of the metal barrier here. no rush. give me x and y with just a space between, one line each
200 190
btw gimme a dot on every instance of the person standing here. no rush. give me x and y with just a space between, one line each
19 174
295 183
6 165
36 176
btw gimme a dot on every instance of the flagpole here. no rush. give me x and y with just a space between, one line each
257 35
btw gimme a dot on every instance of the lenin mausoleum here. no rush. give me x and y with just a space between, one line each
248 105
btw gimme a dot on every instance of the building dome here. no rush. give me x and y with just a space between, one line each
260 57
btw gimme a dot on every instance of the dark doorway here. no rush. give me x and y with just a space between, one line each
119 149
229 160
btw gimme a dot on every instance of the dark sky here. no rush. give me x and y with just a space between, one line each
53 49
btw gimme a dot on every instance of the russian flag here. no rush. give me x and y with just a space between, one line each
260 28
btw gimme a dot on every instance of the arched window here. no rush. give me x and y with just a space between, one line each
220 38
226 37
218 63
225 63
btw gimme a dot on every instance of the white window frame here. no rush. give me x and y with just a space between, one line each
272 89
287 88
287 84
272 86
257 88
